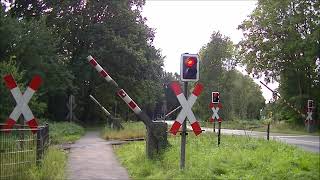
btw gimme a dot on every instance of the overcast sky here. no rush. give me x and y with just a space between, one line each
186 26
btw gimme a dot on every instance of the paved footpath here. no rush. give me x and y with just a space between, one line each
92 158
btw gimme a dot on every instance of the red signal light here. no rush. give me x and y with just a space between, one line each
189 67
190 62
215 97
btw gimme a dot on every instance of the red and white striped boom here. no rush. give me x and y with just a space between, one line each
120 92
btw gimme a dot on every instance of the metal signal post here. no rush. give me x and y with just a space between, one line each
184 133
219 133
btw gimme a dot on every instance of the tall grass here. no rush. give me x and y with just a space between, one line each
236 158
52 167
131 130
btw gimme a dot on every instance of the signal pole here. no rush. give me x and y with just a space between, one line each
184 133
189 71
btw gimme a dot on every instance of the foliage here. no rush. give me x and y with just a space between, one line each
240 96
253 159
34 48
53 39
281 42
131 130
115 33
65 132
52 167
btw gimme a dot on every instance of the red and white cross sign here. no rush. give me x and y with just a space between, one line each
215 109
309 119
186 108
22 101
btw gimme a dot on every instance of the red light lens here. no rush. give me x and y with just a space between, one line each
190 62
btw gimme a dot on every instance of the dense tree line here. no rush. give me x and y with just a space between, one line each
240 96
53 39
281 42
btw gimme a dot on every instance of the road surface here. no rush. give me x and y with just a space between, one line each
306 142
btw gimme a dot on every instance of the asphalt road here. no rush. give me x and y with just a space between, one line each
306 142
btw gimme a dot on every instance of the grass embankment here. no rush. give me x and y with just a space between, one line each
130 131
255 125
236 158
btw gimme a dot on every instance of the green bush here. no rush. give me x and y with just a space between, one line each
63 132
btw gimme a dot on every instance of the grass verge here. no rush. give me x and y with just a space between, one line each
52 167
236 158
131 130
255 125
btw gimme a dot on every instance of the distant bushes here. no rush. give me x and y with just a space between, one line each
63 132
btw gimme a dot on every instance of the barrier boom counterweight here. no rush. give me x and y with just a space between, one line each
156 131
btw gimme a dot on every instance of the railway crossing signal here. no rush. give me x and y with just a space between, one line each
189 67
310 105
215 109
22 102
71 105
215 97
309 116
186 108
215 106
309 120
